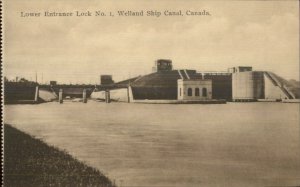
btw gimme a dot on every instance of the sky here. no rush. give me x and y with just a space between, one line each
261 34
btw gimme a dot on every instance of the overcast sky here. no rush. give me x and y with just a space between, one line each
262 34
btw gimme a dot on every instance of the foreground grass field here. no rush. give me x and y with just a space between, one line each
30 162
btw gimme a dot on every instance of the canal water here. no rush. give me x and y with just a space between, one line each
233 144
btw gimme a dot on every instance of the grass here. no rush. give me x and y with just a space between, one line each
31 162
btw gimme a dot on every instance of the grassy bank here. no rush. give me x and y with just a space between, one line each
31 162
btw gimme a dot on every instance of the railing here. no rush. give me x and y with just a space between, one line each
283 88
271 78
183 74
187 75
180 74
291 93
214 72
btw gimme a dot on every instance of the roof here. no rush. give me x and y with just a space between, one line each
163 79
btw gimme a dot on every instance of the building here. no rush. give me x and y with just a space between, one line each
247 85
239 83
194 89
164 83
162 65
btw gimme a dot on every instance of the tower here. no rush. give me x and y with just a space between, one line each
106 79
163 65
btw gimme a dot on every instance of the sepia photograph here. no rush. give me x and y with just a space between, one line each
139 93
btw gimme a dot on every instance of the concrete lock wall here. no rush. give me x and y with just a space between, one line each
46 95
272 92
247 85
221 86
15 91
187 89
120 95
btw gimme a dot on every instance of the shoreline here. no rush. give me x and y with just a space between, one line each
31 162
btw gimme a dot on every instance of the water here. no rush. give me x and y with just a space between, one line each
235 144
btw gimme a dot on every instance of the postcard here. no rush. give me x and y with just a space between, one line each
150 93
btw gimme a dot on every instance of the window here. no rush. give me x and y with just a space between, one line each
204 92
197 92
190 92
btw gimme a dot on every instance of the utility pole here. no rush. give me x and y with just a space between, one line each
35 76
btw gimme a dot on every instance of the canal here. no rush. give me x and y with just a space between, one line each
160 145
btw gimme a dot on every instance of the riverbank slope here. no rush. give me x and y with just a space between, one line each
31 162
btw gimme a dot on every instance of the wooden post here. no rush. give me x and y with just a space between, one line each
84 100
60 96
107 96
36 96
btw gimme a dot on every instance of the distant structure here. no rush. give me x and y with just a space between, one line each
53 83
166 85
239 69
247 85
240 84
194 89
162 65
106 79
